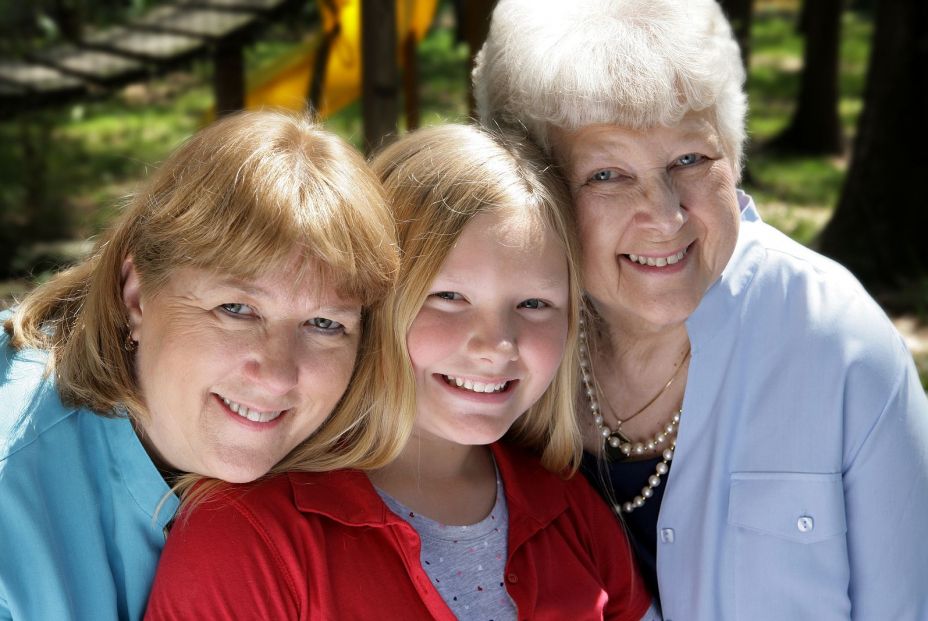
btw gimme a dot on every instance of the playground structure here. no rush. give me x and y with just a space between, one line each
351 54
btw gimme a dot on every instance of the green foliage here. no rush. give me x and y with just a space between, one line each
797 194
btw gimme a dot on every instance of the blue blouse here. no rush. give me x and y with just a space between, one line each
80 533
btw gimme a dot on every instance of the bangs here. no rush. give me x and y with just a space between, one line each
250 207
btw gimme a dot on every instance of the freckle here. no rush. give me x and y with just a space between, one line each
479 588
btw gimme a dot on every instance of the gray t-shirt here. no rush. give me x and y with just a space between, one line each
466 563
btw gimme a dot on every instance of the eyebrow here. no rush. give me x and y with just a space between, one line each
348 308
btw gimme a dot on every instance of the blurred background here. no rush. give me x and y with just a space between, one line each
94 93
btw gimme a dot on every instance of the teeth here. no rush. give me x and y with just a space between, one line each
659 261
252 415
474 386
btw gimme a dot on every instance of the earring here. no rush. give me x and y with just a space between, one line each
129 343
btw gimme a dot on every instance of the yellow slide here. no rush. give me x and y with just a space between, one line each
287 83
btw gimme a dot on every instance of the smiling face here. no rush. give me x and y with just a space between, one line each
236 373
657 213
490 336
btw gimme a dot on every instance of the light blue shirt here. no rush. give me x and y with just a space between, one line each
79 534
799 487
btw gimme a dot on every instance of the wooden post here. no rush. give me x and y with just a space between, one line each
476 18
228 76
379 71
410 82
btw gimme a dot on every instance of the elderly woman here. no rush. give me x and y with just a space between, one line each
214 329
747 406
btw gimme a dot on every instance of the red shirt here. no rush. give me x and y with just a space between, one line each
325 546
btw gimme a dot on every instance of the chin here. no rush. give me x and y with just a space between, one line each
473 434
241 470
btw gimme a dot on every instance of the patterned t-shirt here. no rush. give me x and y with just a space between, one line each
466 563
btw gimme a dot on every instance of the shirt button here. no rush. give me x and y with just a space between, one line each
512 578
805 524
667 535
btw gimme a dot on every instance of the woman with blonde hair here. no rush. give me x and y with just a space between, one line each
746 405
213 330
479 351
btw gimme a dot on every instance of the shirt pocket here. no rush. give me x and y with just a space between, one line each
788 546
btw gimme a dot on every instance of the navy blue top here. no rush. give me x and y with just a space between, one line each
624 480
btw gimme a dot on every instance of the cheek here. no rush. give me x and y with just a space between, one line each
432 338
545 345
327 371
601 223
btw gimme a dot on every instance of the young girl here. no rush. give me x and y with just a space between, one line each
479 342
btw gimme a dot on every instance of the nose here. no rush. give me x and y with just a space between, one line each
660 208
273 363
493 339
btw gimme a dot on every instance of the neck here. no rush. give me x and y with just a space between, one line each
633 368
638 354
448 482
436 459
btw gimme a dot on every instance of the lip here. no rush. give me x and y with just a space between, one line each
665 269
250 424
488 398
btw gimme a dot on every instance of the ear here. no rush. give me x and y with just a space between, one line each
132 296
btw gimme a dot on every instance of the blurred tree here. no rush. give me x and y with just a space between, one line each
379 73
880 226
815 127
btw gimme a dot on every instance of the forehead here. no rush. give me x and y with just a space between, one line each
500 244
598 139
294 281
507 227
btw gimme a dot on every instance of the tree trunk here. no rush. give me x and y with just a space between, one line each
740 13
474 24
379 72
229 76
880 227
815 128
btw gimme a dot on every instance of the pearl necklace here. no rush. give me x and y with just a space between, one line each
615 444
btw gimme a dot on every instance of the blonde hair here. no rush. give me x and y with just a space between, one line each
438 180
239 197
634 63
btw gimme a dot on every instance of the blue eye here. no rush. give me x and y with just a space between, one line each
689 159
326 325
603 175
534 304
448 295
237 309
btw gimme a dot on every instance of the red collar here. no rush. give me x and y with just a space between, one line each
348 496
